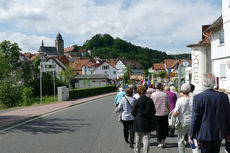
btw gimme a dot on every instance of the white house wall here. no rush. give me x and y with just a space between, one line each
58 69
223 83
88 70
226 24
226 10
111 72
120 69
218 50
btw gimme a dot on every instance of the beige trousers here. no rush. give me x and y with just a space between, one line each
142 137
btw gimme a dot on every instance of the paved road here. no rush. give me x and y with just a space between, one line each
87 128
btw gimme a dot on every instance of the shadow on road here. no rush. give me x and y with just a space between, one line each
51 126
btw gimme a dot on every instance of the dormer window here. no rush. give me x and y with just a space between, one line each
105 67
221 36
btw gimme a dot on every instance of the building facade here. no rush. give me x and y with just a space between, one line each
136 68
212 54
100 68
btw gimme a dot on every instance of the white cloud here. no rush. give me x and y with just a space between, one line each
152 23
25 42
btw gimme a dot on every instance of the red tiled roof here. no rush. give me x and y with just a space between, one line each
170 62
64 60
182 60
92 64
28 54
77 65
159 66
34 56
113 62
69 49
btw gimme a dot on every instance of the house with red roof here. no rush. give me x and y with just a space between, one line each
171 67
83 52
70 51
136 68
104 68
79 63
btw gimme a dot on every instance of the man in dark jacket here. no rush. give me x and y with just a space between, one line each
210 117
144 122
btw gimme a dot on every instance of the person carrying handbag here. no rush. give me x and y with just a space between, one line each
183 111
125 107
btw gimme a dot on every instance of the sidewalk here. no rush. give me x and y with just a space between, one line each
13 117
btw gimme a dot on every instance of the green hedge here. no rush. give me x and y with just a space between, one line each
79 93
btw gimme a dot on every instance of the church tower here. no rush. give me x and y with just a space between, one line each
59 44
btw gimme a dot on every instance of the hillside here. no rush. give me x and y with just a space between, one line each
105 46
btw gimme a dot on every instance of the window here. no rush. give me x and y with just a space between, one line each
105 67
221 36
105 72
222 71
114 72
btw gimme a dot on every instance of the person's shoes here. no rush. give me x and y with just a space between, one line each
160 146
135 150
131 146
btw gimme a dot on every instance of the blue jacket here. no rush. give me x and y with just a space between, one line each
119 95
210 116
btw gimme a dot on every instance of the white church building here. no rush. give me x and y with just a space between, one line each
212 53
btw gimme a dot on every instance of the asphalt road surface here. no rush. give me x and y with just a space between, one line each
91 127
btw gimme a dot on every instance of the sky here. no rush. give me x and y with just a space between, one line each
164 25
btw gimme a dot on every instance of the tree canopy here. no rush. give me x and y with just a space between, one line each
11 53
106 47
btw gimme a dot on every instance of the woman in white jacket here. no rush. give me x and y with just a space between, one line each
183 110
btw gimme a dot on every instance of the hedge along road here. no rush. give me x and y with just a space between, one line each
87 128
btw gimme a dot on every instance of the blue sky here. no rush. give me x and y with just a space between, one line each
163 25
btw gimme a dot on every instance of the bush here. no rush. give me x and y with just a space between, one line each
27 96
47 85
79 93
10 95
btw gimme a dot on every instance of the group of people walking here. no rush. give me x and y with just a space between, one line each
204 117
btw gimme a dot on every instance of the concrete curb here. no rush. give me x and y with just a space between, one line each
27 117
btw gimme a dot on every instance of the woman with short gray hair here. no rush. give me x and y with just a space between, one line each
183 110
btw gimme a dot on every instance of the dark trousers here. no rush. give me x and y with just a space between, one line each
161 127
186 137
128 131
210 146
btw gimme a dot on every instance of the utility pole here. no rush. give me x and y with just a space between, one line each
41 82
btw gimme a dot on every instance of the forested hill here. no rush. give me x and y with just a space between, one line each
105 46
